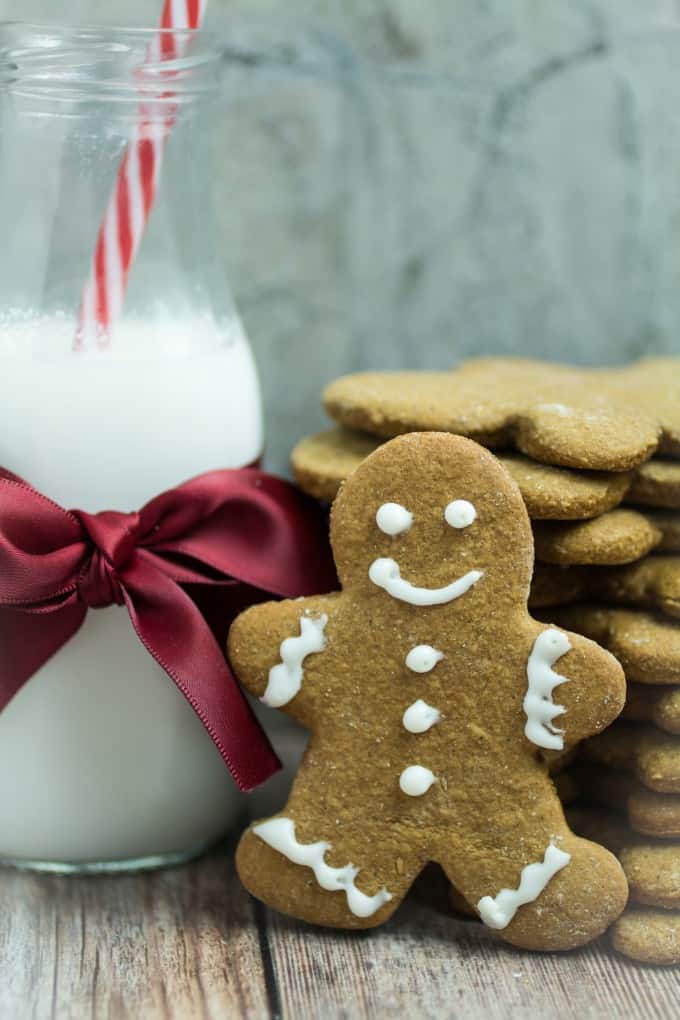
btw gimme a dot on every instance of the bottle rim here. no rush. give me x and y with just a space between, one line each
164 68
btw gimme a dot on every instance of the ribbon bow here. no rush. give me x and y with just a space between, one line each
237 530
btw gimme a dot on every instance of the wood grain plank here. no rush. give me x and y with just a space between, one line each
427 964
181 943
185 944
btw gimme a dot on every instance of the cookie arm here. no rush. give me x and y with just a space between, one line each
277 650
596 689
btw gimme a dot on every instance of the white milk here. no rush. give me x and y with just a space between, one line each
101 758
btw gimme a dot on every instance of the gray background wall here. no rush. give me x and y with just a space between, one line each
427 179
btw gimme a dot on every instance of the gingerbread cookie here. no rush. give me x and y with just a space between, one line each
648 813
652 867
649 583
653 756
652 582
653 873
654 814
322 462
598 419
656 484
647 646
429 691
649 936
563 494
667 523
620 536
660 705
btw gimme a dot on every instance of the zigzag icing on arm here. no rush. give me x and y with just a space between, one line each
539 707
497 912
279 833
285 678
385 573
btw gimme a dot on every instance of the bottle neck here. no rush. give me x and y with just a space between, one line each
124 73
71 113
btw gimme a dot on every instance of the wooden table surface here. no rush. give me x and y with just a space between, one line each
189 943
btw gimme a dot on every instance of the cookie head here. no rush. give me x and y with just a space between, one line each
427 518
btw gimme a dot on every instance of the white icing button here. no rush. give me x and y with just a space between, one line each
423 658
393 518
416 780
498 911
460 513
539 707
419 717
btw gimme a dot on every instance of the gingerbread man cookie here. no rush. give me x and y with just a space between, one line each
322 462
431 694
599 419
657 484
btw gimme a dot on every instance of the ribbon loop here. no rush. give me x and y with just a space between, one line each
242 534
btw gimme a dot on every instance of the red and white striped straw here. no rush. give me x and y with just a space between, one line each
134 192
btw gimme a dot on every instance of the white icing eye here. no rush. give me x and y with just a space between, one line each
393 518
460 513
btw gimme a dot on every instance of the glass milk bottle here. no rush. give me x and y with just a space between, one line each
103 763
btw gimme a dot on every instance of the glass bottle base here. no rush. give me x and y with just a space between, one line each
115 867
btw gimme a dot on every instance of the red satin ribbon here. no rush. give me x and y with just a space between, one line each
243 533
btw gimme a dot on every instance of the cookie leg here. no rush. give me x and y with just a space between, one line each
559 903
347 884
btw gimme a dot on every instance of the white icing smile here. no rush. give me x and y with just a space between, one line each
385 573
539 707
285 678
279 833
497 912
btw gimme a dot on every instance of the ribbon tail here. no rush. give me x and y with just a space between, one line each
29 639
173 631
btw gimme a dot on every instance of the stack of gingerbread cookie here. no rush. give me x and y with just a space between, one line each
596 456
